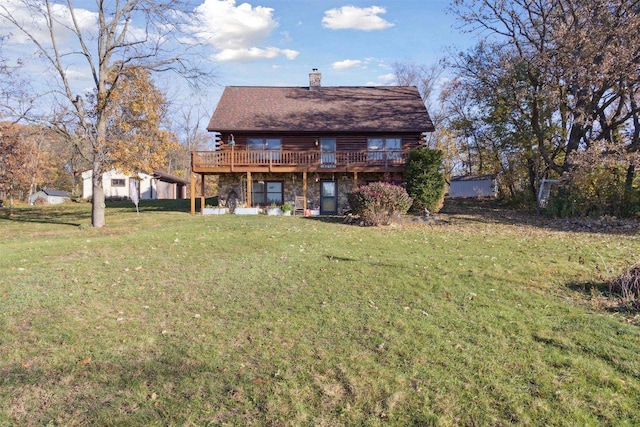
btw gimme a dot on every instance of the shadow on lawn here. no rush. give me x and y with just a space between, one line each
163 205
72 218
491 211
76 215
590 288
102 385
335 258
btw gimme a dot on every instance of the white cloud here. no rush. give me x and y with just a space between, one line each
290 54
387 78
346 64
285 37
253 53
74 73
239 33
383 80
356 18
35 24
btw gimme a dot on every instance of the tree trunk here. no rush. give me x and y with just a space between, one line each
97 201
628 188
533 178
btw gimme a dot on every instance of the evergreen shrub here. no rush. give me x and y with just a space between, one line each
424 178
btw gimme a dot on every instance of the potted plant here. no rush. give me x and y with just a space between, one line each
246 211
214 210
274 210
286 209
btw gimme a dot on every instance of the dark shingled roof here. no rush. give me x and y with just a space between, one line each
172 179
57 193
323 109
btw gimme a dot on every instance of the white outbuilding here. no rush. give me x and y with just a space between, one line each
49 197
117 185
473 186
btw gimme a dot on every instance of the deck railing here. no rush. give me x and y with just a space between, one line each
338 159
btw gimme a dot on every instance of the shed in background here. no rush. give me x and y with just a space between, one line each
160 185
49 197
473 186
170 186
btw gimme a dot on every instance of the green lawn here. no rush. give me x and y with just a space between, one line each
162 318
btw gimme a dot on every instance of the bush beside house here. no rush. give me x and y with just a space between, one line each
379 202
424 179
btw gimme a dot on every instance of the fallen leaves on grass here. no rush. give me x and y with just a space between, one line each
84 361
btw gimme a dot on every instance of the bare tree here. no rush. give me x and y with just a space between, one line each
428 80
189 125
192 136
16 95
117 36
424 77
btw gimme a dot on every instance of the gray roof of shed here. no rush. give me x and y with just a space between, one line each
323 109
58 193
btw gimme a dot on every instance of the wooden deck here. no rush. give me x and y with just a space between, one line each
228 161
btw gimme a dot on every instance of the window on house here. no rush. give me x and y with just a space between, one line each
267 192
118 182
269 148
384 148
328 152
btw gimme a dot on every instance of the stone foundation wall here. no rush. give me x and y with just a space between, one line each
292 186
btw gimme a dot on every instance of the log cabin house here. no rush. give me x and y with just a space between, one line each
312 144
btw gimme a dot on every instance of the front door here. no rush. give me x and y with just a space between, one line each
328 197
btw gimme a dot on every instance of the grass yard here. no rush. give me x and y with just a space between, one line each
167 319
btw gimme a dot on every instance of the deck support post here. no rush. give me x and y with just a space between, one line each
304 190
192 187
202 195
249 189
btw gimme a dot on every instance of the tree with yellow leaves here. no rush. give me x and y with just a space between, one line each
22 160
135 114
105 41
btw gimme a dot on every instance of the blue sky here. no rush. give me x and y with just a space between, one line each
350 42
278 42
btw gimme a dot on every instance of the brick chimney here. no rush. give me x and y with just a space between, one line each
315 78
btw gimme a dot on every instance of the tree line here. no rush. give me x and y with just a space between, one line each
551 90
